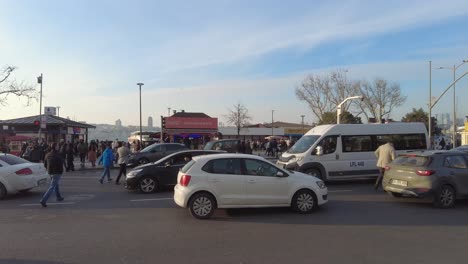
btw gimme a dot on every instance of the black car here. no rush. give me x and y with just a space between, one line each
153 153
229 145
149 178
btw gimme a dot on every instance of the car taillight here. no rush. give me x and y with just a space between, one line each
425 172
25 171
185 180
387 168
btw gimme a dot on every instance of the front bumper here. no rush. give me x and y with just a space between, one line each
132 183
288 166
322 196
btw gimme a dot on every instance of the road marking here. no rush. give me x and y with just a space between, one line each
334 191
38 204
155 199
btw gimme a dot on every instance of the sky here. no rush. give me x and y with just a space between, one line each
206 56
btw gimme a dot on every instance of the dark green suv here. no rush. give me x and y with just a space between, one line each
440 175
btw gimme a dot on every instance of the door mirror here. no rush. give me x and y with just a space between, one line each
280 174
319 151
167 164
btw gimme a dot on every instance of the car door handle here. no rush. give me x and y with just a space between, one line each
251 181
215 180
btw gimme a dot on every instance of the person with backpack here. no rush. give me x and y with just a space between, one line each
54 164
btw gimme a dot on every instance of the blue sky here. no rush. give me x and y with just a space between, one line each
205 56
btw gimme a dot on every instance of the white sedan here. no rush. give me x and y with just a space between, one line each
241 181
19 175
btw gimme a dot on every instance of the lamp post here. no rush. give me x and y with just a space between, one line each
39 80
141 131
302 116
338 108
454 70
272 122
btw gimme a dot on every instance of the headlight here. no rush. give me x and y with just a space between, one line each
321 184
133 173
297 159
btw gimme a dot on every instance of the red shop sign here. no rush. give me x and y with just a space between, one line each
191 122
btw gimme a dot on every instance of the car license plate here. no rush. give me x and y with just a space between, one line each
400 183
42 182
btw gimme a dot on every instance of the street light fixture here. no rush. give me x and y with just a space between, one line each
454 70
302 116
272 122
141 131
338 108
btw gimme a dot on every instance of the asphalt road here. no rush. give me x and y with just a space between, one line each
108 224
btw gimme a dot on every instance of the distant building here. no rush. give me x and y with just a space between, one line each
118 123
150 122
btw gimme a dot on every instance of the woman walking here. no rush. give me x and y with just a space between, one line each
107 159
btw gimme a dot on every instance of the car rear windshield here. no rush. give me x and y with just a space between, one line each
187 166
412 161
12 160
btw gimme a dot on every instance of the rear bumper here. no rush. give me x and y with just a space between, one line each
415 192
181 196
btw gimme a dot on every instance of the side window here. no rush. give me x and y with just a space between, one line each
223 166
157 148
357 143
457 162
259 168
404 141
329 144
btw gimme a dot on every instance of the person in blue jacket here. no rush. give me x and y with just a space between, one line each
107 158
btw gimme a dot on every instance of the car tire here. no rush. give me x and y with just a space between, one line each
143 161
314 172
445 197
397 195
148 184
3 192
202 205
304 201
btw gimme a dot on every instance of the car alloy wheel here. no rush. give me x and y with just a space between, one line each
148 185
304 201
446 197
202 205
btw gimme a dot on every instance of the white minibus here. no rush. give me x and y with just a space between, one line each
346 151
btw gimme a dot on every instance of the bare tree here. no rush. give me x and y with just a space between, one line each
12 87
238 116
324 92
380 98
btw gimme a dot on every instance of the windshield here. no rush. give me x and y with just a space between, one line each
12 160
149 148
209 145
303 144
412 161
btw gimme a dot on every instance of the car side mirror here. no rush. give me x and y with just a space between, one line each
167 164
280 174
319 151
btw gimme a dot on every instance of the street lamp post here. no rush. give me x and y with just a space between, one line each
338 108
430 105
39 80
302 116
272 122
454 70
141 131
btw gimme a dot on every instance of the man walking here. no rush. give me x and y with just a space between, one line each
123 153
107 159
82 150
54 164
385 154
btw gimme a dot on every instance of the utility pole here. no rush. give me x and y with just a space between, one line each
272 111
141 130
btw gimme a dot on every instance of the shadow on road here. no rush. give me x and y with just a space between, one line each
27 261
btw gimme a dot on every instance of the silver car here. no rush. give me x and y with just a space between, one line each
440 175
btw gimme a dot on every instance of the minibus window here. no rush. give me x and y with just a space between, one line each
303 144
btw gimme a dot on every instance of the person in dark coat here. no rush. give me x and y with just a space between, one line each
36 153
53 162
70 156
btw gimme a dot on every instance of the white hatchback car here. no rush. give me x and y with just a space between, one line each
241 181
19 175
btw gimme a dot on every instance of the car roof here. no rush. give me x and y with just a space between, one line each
428 153
227 156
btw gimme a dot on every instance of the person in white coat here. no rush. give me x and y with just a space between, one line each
385 154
